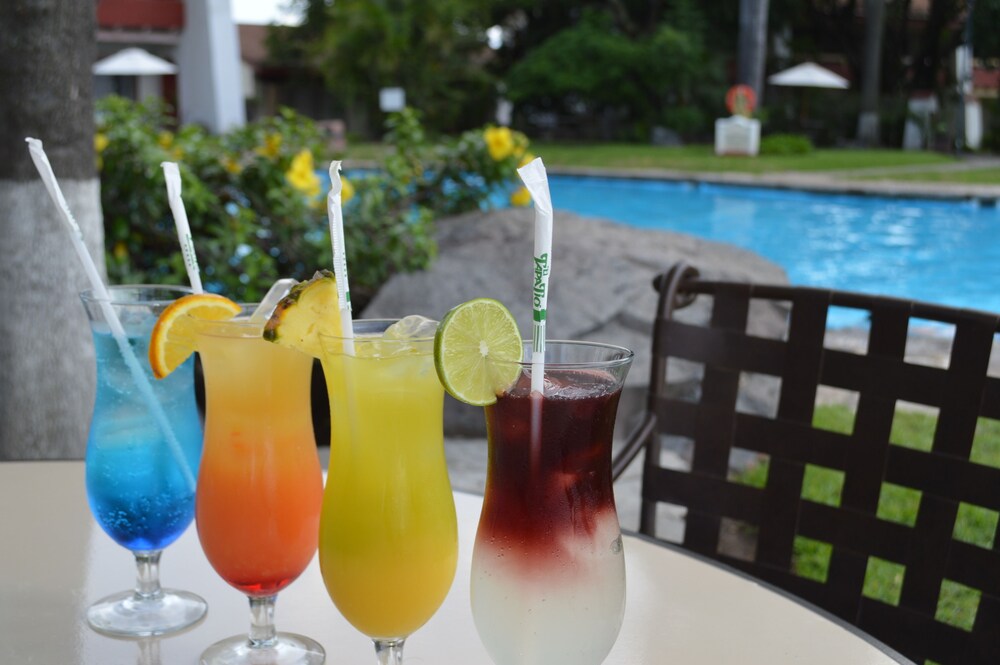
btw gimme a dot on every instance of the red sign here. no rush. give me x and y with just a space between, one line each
741 100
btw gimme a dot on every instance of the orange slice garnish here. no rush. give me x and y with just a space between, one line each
173 338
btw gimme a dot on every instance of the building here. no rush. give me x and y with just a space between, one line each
199 36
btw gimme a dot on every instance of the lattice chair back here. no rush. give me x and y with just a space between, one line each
825 511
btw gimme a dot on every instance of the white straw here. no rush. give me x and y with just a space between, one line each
104 300
335 212
537 182
173 177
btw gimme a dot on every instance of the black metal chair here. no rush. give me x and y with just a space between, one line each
948 476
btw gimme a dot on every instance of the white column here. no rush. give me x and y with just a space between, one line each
210 90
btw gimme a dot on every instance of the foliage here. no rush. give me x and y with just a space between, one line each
595 69
254 198
455 176
985 36
433 50
785 144
991 135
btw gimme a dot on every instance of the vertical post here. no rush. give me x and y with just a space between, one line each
209 78
752 45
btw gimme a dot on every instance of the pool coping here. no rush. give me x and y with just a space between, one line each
819 182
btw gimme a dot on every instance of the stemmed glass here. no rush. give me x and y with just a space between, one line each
548 572
388 535
142 461
261 486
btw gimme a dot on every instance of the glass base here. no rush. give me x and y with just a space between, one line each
286 649
128 614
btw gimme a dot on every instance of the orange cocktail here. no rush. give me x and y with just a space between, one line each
260 485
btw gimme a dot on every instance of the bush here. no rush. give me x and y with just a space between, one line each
785 144
255 198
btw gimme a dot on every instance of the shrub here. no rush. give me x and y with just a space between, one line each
255 198
785 144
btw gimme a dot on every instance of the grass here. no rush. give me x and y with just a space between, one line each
984 176
957 604
699 158
695 158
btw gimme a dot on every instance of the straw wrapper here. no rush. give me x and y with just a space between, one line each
537 183
104 300
335 212
173 178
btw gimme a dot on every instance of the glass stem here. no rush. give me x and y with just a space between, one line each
262 631
147 583
389 652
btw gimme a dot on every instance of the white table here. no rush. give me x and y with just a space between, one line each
55 560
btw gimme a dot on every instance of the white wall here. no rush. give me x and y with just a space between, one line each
210 83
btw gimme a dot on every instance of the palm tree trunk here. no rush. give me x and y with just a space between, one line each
752 45
868 125
47 48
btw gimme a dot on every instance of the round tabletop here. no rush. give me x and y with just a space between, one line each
55 561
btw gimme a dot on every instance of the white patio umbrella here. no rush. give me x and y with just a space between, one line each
809 75
133 62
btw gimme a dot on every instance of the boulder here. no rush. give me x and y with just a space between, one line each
600 288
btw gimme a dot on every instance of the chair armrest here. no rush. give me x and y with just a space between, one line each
633 444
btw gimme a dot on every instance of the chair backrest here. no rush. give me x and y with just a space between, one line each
821 507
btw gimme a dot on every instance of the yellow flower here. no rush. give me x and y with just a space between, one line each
177 154
499 142
101 142
165 139
346 190
271 147
232 166
526 159
521 197
303 161
302 174
120 251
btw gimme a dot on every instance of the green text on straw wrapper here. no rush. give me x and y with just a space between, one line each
540 286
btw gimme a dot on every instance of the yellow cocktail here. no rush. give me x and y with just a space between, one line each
388 540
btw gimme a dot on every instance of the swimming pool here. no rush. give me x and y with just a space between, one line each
938 251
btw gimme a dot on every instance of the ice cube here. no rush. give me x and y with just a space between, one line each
411 327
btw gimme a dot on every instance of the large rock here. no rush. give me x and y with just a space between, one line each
600 289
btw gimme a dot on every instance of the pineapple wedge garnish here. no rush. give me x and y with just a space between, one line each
309 309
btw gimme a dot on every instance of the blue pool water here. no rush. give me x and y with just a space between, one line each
938 251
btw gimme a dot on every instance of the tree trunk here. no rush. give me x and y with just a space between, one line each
871 69
47 48
752 47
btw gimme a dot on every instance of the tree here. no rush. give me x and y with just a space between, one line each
985 36
868 129
595 70
47 48
751 52
942 33
435 51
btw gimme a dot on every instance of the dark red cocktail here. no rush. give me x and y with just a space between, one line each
548 573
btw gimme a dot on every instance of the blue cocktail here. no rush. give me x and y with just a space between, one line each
142 460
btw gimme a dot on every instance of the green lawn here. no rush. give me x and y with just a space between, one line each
702 158
697 158
985 176
957 604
